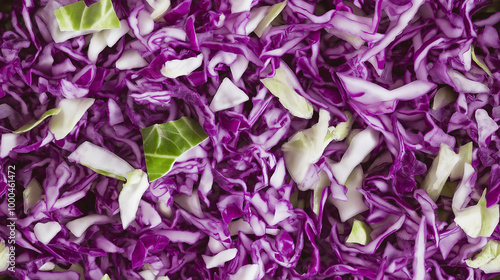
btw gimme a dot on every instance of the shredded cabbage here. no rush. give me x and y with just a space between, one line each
248 139
72 110
280 86
478 220
360 233
488 260
77 16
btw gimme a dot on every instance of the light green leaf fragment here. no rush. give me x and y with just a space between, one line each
306 147
272 13
478 220
74 267
479 61
33 123
280 87
355 41
105 277
342 129
443 97
164 143
360 233
439 172
488 260
465 154
78 16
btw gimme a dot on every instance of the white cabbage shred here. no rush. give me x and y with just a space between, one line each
246 272
238 6
181 67
160 8
307 146
131 194
361 146
478 220
45 232
354 204
228 95
440 170
131 59
4 256
72 110
80 225
220 258
101 160
9 141
283 88
107 163
238 67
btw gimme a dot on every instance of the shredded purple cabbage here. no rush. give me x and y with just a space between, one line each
411 76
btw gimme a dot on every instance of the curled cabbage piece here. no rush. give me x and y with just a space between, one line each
71 111
440 170
101 160
488 260
281 86
307 146
131 194
181 67
478 220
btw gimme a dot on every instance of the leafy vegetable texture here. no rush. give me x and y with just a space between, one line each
77 16
250 139
164 143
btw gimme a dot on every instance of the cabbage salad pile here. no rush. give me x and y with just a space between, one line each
247 139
